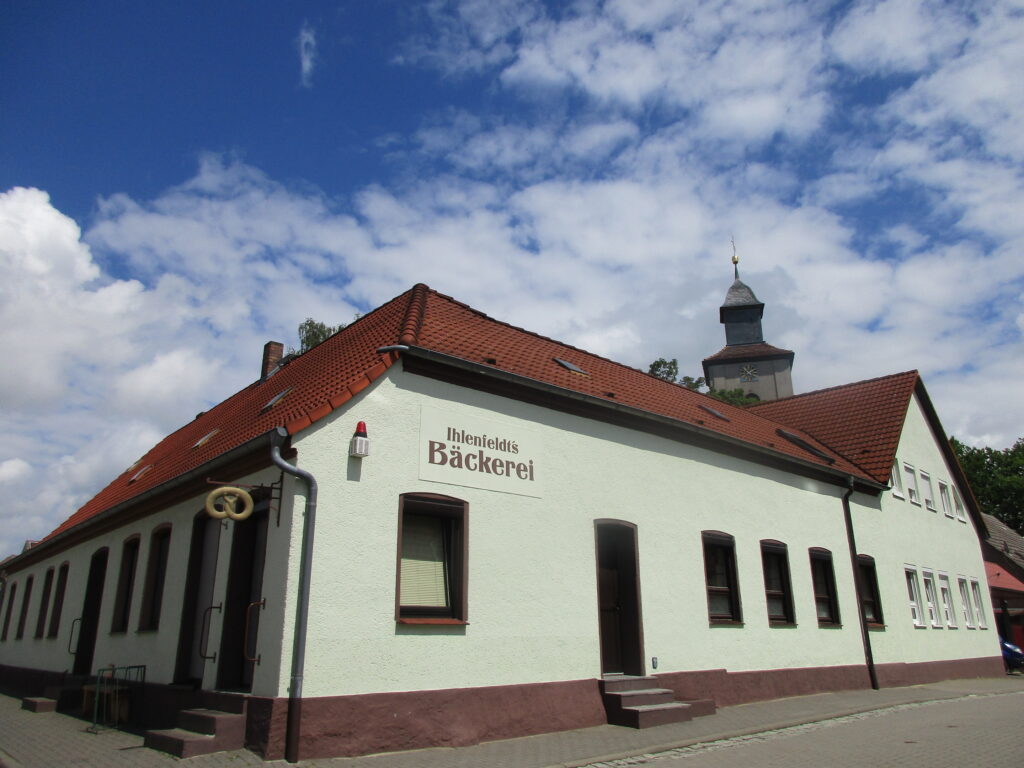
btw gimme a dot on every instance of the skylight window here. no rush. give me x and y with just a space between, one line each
713 412
140 473
801 443
206 438
276 399
571 366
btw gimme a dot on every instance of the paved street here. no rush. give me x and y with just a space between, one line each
982 732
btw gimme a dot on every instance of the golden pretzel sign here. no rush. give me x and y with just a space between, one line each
224 502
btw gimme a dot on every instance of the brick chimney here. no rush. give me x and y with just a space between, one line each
273 351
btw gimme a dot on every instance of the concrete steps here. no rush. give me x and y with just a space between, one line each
200 732
39 704
637 702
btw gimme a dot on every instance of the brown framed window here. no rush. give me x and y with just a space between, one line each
44 603
13 593
125 585
720 576
23 615
823 578
432 560
58 600
777 590
870 602
156 572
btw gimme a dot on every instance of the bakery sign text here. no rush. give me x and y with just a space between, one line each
478 452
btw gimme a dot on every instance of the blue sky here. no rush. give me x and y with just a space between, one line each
181 182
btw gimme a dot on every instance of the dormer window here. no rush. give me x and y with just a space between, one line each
276 399
571 366
206 438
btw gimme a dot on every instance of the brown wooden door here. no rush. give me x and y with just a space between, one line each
618 588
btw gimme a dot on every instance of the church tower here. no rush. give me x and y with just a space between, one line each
746 362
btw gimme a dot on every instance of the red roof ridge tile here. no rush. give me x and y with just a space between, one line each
414 313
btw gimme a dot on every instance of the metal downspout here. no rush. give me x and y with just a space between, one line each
293 733
869 657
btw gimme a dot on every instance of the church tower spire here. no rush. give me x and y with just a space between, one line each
747 362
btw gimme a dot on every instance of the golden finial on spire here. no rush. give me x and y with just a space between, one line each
735 259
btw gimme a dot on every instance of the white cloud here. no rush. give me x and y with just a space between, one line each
306 43
897 35
14 469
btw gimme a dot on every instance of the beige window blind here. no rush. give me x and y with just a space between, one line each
423 580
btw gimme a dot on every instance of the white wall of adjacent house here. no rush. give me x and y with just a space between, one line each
532 586
157 649
904 533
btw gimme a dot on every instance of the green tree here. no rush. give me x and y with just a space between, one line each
312 332
665 369
997 479
669 371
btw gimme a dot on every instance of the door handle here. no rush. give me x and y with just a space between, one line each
248 623
206 633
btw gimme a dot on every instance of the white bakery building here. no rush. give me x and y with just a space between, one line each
533 538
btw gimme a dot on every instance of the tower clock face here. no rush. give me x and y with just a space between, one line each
748 372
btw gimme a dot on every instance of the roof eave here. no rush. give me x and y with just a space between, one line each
55 544
839 477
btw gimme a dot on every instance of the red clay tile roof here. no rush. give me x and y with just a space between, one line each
330 374
862 421
759 351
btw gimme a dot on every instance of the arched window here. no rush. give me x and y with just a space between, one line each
156 572
720 577
777 589
823 578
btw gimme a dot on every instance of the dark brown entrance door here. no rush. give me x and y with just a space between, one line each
243 603
618 591
198 608
90 621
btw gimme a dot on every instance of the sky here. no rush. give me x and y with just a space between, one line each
182 182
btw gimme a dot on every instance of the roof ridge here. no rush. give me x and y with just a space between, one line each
413 322
834 388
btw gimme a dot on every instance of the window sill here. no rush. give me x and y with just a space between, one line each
829 624
875 627
724 623
781 624
431 620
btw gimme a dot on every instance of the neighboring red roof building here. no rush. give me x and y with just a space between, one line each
1003 550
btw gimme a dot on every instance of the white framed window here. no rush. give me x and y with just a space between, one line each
946 595
959 503
944 499
910 484
914 595
979 607
896 481
927 491
931 599
965 602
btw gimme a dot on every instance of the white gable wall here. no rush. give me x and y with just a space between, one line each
897 533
